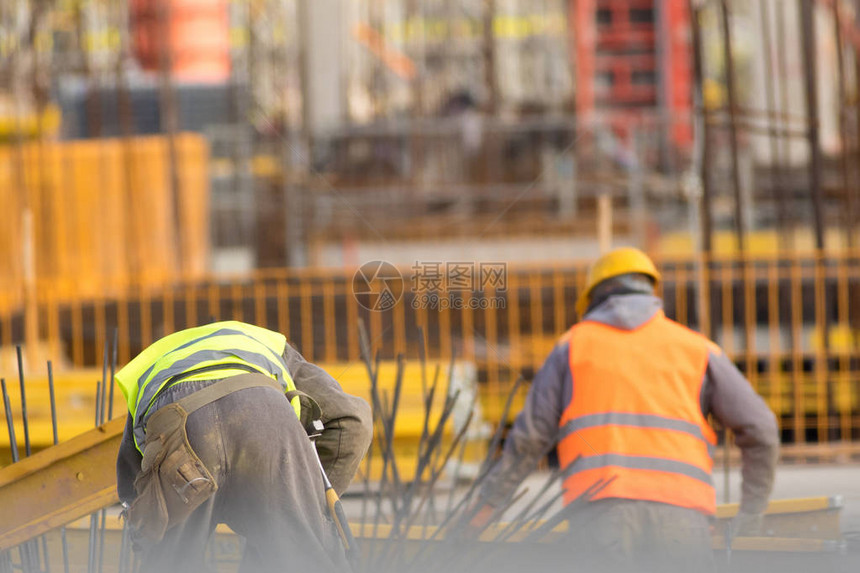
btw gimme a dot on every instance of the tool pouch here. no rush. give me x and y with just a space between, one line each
173 481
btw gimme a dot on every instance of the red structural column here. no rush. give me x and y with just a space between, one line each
585 41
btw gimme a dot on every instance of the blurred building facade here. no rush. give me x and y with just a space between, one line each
498 124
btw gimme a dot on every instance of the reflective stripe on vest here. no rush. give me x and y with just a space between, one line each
635 414
207 352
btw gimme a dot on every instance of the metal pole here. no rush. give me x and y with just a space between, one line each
733 127
704 173
170 125
64 540
10 425
702 166
113 372
490 57
24 416
772 117
848 215
807 31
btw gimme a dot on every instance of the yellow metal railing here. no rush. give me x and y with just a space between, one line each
791 324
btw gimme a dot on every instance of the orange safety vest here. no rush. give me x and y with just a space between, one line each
635 414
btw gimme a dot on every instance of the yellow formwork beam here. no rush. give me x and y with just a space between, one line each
60 484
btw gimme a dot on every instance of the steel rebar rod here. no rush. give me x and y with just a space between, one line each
113 364
24 415
810 65
10 424
54 430
731 95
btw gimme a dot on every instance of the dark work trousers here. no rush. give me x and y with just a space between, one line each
623 536
270 489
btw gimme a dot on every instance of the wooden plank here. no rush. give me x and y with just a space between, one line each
60 484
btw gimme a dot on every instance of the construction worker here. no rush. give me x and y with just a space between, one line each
218 432
626 394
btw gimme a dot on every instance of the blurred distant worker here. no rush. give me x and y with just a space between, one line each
626 394
217 432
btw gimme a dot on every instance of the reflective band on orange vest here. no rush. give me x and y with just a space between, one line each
638 463
626 419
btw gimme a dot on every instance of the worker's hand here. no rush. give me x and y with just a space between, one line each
479 521
746 524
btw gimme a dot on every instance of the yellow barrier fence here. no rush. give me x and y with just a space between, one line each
791 324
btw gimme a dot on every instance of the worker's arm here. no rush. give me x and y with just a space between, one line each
348 420
127 464
734 403
535 429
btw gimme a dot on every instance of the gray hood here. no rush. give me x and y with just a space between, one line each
626 311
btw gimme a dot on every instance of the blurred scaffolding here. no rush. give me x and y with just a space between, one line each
158 153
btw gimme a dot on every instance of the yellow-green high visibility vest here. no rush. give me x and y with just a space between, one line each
216 350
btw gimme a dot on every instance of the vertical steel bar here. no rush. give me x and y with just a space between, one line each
168 320
24 415
169 113
810 65
681 313
53 402
191 319
797 378
727 300
145 317
772 121
54 429
731 96
260 290
705 210
782 50
306 314
823 407
844 352
236 294
65 543
46 556
102 403
750 306
330 332
213 300
282 298
101 337
774 327
491 324
113 365
536 315
514 332
10 424
353 352
122 324
848 213
855 215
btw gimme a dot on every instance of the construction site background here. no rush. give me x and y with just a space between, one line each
167 162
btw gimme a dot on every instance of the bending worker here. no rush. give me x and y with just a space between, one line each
218 432
626 394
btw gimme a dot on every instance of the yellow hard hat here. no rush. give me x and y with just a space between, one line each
615 263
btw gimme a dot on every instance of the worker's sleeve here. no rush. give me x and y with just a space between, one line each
127 464
534 431
734 403
347 419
